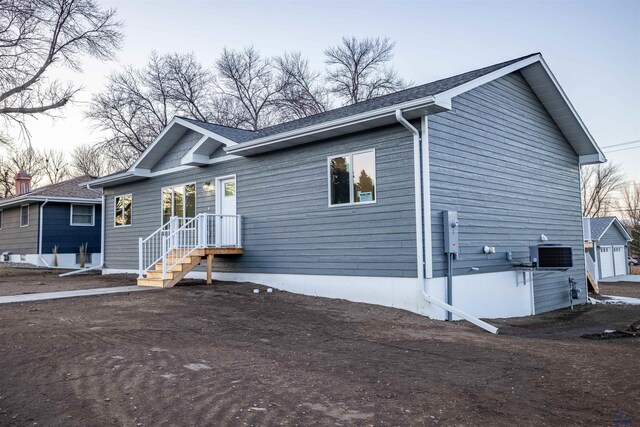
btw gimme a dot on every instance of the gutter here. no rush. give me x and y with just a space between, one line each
388 111
420 243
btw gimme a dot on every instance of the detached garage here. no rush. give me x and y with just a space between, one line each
609 246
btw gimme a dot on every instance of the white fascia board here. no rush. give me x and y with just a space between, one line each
597 157
620 228
205 132
334 124
186 124
191 158
590 159
35 199
458 90
573 110
155 142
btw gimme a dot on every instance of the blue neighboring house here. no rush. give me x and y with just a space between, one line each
64 216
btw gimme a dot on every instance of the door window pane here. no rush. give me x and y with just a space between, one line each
167 197
178 201
190 200
339 180
229 188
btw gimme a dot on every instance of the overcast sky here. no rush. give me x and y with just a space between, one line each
593 48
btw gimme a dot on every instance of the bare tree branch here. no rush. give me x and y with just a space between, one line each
358 69
38 34
600 183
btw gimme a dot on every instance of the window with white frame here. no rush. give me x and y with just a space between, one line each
82 215
180 201
122 210
24 216
352 178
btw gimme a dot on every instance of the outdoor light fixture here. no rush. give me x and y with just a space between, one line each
208 186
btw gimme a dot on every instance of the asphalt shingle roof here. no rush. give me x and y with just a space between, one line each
410 94
68 188
599 226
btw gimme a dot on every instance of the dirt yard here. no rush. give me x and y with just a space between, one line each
621 289
17 281
221 355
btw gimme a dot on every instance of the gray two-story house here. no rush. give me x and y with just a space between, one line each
430 195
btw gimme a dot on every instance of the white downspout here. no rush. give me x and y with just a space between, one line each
417 178
40 223
103 208
420 243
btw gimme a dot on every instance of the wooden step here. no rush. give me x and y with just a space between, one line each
157 274
177 267
156 283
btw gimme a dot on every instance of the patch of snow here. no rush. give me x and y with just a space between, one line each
613 299
197 366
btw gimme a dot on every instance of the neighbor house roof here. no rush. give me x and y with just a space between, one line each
70 190
414 102
599 226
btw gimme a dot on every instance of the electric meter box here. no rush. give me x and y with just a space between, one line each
451 225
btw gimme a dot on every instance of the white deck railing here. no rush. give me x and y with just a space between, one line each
180 237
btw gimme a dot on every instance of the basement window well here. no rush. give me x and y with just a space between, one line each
352 178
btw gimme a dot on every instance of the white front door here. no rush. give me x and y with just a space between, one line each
606 261
619 261
226 224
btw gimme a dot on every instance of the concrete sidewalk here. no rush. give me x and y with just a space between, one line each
70 294
625 278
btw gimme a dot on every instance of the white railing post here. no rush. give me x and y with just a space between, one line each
164 258
239 231
140 258
202 230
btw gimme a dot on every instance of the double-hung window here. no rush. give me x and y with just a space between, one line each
180 201
122 210
24 216
352 178
82 215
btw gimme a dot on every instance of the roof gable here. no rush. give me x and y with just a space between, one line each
599 227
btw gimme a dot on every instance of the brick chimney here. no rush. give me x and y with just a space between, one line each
23 183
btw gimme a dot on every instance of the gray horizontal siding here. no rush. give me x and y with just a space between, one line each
612 236
16 239
172 157
288 227
499 159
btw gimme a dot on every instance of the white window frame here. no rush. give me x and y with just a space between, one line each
93 215
115 224
351 195
195 204
28 216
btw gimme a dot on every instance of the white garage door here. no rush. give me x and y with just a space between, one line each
619 261
606 261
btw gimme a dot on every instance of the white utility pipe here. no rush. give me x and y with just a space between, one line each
484 325
420 244
82 270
